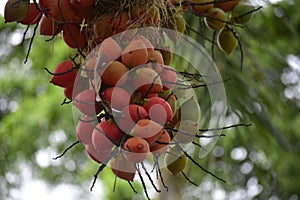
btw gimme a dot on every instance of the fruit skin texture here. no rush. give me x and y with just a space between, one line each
15 10
201 9
175 161
215 18
136 149
147 129
122 168
31 17
73 36
238 14
159 110
68 77
147 81
86 103
49 27
115 72
226 41
116 96
132 113
227 6
104 134
135 53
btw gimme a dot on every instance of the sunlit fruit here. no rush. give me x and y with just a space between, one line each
115 72
16 10
242 13
175 161
135 53
215 18
227 6
227 42
136 149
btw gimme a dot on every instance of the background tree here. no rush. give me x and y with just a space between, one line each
258 162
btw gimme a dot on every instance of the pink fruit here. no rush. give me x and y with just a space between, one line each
159 110
86 103
84 129
122 168
99 157
105 134
116 96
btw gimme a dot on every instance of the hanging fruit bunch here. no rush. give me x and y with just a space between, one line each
132 106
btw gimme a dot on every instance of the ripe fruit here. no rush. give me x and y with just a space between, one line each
16 10
73 36
122 168
155 57
227 6
64 74
115 72
159 110
84 129
99 157
161 144
111 49
186 131
202 7
168 77
116 96
147 129
105 134
147 81
175 161
132 113
32 15
135 53
215 18
242 14
86 103
49 27
136 149
227 42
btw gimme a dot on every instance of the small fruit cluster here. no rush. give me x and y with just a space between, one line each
221 16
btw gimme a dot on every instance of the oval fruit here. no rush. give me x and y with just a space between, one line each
215 18
161 144
242 14
122 168
64 74
175 161
202 7
15 10
32 15
115 72
136 149
227 6
73 36
116 96
135 53
49 27
86 103
226 40
84 129
99 157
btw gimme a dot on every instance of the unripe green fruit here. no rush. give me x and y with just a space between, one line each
240 14
16 10
227 42
215 18
175 161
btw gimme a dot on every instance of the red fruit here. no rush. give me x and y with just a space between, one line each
111 49
132 113
49 27
64 74
99 157
168 77
86 103
122 168
63 12
135 54
147 129
73 36
147 81
105 134
116 96
82 3
136 149
115 73
80 84
84 129
32 16
160 146
159 110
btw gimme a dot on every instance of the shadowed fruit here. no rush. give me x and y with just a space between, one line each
32 15
175 161
74 36
227 6
202 6
15 10
122 168
49 27
65 75
227 42
160 146
242 14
